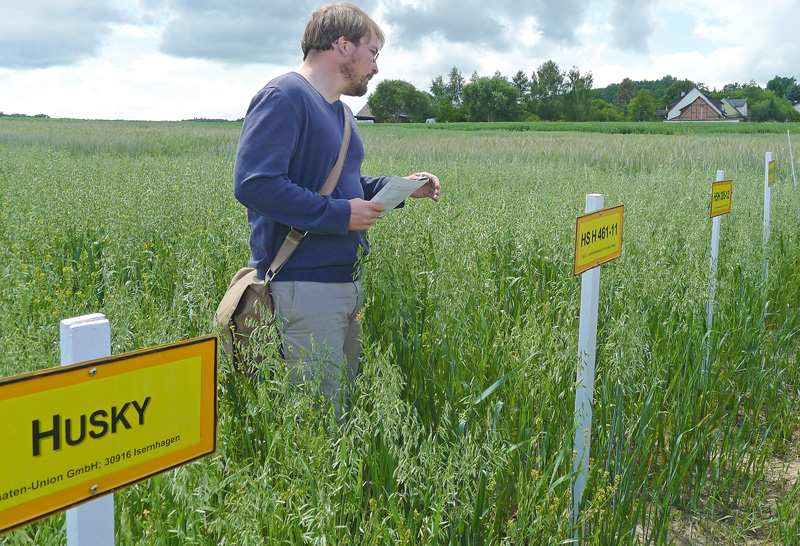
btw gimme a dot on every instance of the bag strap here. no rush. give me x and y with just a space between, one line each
336 171
295 235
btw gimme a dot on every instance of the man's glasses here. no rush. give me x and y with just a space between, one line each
375 54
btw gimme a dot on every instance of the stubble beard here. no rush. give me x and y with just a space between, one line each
355 88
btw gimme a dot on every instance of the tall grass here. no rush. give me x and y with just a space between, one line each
462 429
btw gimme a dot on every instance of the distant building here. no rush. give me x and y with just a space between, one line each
365 115
735 107
696 106
797 106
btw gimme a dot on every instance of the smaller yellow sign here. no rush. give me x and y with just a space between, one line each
598 238
80 431
721 197
771 173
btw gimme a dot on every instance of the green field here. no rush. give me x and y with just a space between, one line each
462 432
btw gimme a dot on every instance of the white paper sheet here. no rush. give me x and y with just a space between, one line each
397 190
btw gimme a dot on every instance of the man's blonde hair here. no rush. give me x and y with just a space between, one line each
332 21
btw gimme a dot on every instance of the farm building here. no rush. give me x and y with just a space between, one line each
365 115
696 106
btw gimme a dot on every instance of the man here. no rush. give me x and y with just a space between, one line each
290 140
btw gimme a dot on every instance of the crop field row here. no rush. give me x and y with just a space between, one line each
462 431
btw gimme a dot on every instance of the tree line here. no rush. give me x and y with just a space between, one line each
552 94
2 115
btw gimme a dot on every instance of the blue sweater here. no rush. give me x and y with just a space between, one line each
290 141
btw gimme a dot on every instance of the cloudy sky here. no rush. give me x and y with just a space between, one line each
179 59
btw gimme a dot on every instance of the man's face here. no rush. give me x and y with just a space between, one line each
361 66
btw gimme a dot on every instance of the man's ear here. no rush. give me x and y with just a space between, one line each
342 46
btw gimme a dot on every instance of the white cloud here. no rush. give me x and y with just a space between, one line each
39 33
178 59
632 25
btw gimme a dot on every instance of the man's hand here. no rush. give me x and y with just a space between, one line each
432 188
364 213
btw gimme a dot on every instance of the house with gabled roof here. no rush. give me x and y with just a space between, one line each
696 106
735 107
365 115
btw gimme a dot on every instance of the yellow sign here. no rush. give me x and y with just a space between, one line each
771 173
721 197
76 432
598 238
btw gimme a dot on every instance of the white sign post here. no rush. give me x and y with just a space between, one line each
712 286
584 391
87 338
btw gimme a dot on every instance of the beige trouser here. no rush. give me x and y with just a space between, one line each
321 334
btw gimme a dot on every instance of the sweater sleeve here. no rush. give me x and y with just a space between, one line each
269 140
372 185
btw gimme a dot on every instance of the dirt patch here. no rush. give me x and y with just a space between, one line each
689 529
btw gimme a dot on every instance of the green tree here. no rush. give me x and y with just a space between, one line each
394 99
642 107
793 94
625 95
492 99
765 105
578 95
455 86
604 111
608 93
729 88
531 99
781 86
445 111
447 97
547 89
521 82
523 85
759 111
439 88
750 91
657 88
